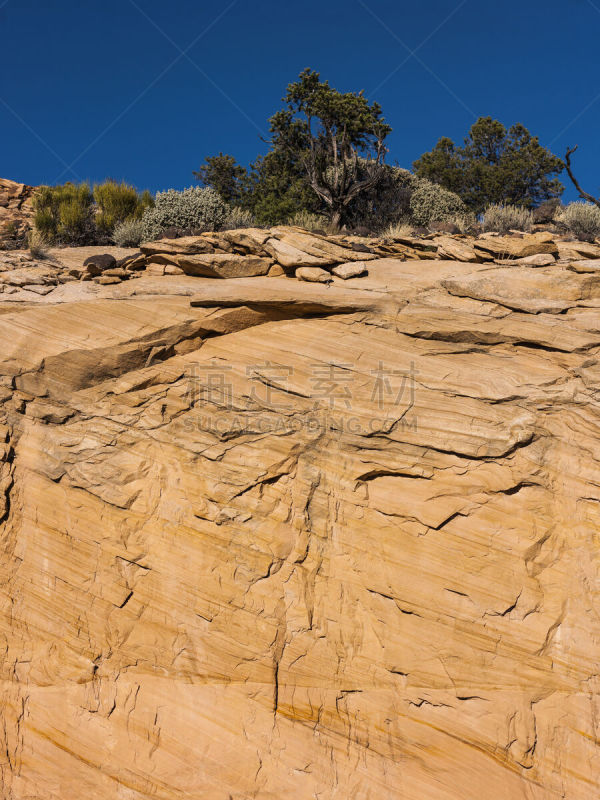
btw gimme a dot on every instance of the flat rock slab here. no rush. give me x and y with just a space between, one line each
514 247
550 289
185 245
316 246
578 250
285 294
223 265
586 265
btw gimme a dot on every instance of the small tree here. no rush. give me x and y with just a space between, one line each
495 166
327 132
223 174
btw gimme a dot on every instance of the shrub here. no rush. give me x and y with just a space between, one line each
118 202
128 233
502 219
546 211
201 209
582 219
398 230
432 203
307 220
37 244
64 214
238 218
385 203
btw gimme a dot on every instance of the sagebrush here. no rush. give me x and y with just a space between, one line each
238 218
432 203
582 219
129 233
505 218
307 220
196 209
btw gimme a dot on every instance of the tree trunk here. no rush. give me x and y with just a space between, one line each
336 217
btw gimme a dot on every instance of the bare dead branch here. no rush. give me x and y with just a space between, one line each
584 195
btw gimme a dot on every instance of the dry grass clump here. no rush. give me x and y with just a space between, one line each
502 219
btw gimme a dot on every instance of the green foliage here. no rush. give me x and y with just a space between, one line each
64 214
238 217
432 203
581 219
495 166
67 214
129 233
277 189
506 218
325 131
116 202
307 220
223 174
386 202
198 209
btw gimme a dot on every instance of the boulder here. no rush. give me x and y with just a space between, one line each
458 249
352 269
96 264
251 239
321 247
585 265
223 265
117 272
538 260
573 251
187 245
289 256
515 247
313 275
106 280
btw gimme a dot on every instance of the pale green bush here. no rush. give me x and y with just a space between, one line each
307 220
129 233
432 203
582 219
502 219
238 218
196 208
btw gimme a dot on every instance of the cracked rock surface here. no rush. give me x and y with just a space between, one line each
265 539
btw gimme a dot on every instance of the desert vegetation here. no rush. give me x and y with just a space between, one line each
326 168
77 214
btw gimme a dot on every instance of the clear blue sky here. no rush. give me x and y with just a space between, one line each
144 89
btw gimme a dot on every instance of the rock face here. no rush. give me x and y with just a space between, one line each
16 210
270 539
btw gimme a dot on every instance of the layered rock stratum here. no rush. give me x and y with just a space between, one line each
263 538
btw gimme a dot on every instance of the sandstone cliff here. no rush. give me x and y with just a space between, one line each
271 539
